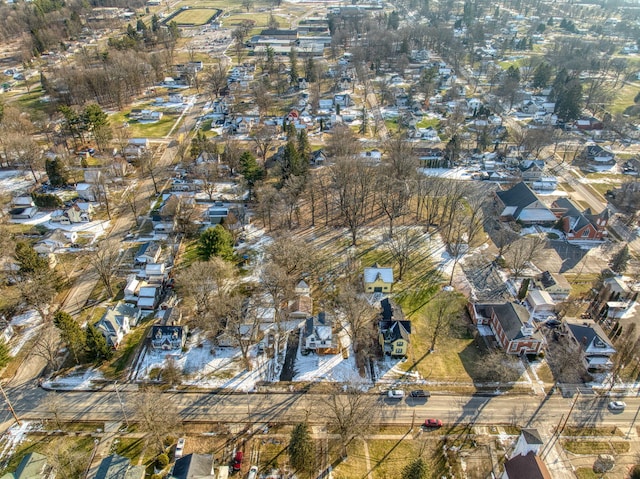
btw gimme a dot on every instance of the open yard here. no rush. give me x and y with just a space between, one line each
194 16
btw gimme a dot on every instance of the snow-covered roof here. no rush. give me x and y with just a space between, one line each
374 273
536 297
536 214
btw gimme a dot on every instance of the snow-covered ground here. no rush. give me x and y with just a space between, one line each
92 228
27 325
457 173
79 379
12 438
13 181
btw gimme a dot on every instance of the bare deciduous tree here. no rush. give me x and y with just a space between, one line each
358 313
156 415
523 252
349 411
402 247
352 182
104 260
47 346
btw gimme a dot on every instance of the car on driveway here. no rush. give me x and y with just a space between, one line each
617 405
432 423
179 448
395 393
420 393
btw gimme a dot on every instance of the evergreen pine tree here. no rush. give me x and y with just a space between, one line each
96 345
416 469
215 241
28 258
301 449
620 260
70 332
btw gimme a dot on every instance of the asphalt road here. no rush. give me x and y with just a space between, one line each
294 407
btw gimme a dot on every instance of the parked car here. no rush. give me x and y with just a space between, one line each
179 448
432 423
237 461
253 473
395 393
617 405
420 393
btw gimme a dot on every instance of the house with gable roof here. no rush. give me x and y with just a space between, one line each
555 284
168 338
394 329
378 279
580 225
511 324
527 466
520 203
318 334
528 441
595 346
301 307
116 322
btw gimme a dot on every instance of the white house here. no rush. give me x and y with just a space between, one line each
116 323
318 333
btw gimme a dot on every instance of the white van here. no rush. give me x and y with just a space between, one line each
253 473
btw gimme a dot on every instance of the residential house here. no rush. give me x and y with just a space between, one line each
595 347
87 191
511 324
555 284
372 157
22 208
531 171
56 240
527 466
169 316
148 252
118 467
131 290
318 158
168 338
216 214
378 279
32 466
343 100
76 213
301 307
148 297
580 225
615 299
393 330
116 322
597 154
587 124
155 273
520 203
540 301
318 334
193 466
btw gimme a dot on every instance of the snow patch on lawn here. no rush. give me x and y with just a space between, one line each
13 438
79 379
13 181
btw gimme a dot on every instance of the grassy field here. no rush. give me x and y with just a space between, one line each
194 16
624 98
586 473
596 447
428 122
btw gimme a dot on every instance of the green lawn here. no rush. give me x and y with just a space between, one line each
596 447
624 98
194 16
159 129
428 122
586 473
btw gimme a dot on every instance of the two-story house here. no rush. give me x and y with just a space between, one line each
116 322
511 324
168 338
579 226
318 334
595 347
393 330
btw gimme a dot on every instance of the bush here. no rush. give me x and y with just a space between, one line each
162 461
45 200
635 473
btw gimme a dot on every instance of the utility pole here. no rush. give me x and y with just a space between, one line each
10 406
124 412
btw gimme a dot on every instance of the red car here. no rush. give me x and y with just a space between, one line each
432 423
237 461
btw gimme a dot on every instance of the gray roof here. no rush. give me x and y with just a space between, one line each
118 467
526 467
531 435
588 332
393 330
193 466
511 317
520 196
580 219
32 466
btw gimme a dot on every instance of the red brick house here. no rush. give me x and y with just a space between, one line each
511 325
580 225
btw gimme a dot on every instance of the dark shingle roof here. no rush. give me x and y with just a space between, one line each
587 332
118 467
511 317
526 467
392 330
531 435
519 196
